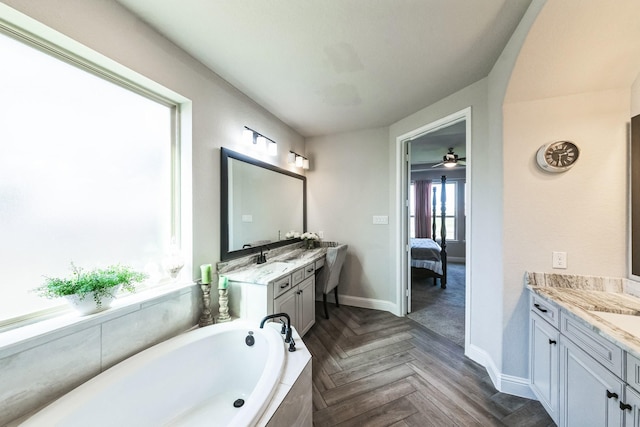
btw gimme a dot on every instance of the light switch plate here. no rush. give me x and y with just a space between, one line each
380 219
247 218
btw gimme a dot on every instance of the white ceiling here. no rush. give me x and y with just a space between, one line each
330 66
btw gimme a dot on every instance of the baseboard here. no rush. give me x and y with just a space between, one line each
509 384
374 304
459 259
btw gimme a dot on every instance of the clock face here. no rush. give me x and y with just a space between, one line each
557 156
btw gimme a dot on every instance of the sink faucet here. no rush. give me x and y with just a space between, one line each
286 330
262 258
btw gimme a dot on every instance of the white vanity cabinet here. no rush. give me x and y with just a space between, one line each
545 363
292 293
299 304
590 395
581 378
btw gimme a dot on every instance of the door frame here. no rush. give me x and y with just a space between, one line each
403 178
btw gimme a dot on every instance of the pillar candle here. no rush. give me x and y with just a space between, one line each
205 271
223 282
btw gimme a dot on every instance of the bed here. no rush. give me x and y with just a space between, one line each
427 253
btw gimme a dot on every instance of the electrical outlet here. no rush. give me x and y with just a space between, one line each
559 260
247 218
321 234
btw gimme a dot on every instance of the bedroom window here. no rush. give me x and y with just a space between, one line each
86 173
450 209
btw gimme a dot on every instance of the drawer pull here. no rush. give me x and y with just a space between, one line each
309 270
544 310
552 342
284 286
625 406
610 395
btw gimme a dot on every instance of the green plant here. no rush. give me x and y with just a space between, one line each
101 281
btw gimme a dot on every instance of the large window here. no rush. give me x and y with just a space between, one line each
85 174
450 209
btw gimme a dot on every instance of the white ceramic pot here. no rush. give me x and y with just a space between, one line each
88 305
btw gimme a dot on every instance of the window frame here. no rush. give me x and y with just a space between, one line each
50 42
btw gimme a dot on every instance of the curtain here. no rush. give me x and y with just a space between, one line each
423 209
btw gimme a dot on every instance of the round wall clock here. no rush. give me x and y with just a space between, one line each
557 156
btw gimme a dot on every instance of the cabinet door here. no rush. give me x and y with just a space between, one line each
287 303
545 364
631 408
590 395
306 305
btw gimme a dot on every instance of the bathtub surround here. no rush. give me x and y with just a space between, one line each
273 384
45 360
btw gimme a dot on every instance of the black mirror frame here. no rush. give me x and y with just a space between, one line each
225 155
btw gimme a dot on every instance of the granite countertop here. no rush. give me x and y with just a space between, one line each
277 267
609 306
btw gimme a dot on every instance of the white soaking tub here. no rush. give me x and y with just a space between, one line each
191 380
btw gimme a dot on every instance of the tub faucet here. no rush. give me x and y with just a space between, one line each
286 330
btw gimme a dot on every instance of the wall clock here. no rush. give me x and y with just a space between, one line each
557 156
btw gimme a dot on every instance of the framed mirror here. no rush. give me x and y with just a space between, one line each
259 204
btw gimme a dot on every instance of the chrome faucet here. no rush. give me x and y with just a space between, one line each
262 258
285 330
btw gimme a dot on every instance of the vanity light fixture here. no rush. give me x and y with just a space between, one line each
259 141
298 160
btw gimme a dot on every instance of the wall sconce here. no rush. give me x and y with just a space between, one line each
259 141
298 160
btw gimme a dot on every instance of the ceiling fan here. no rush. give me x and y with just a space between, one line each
450 160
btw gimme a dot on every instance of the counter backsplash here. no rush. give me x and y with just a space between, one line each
591 283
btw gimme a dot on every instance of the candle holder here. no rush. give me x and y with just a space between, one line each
206 318
224 306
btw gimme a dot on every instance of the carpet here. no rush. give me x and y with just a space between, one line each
437 309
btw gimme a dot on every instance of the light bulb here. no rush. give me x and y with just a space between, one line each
272 148
261 143
247 136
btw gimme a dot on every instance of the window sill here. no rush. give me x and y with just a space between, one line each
23 338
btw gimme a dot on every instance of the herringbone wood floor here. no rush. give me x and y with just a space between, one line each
371 368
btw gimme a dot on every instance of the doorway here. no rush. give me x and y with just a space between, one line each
436 290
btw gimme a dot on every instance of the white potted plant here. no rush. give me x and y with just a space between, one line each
93 290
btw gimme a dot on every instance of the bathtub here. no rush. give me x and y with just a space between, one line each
191 380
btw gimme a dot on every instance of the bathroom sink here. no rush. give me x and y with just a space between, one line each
262 273
274 267
627 322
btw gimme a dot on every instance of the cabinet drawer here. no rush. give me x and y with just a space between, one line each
319 263
545 309
297 276
309 270
633 372
604 352
281 286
